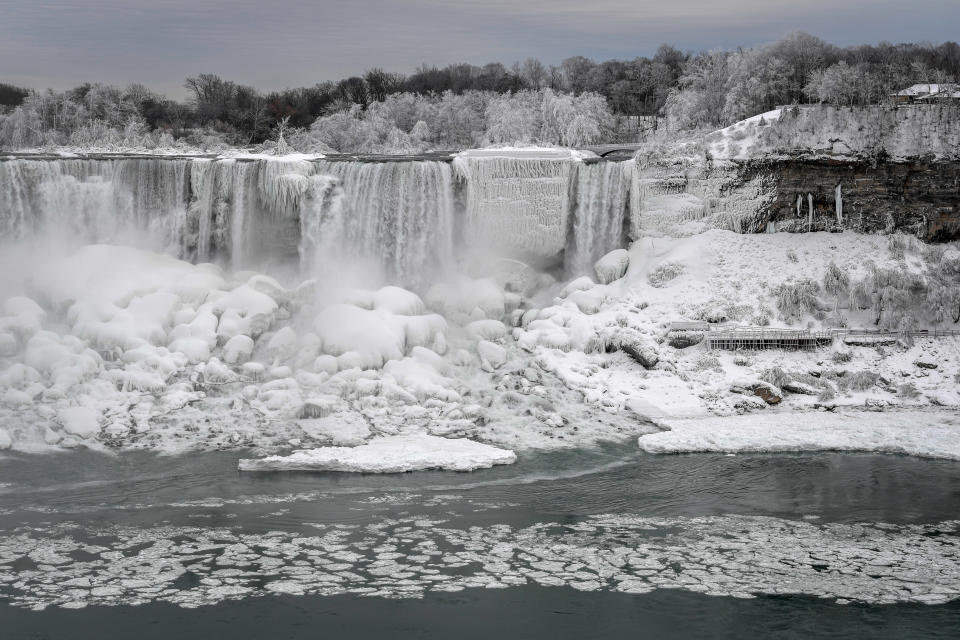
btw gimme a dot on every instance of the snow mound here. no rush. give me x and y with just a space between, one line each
612 266
924 434
389 454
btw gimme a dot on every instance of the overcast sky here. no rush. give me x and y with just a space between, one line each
273 44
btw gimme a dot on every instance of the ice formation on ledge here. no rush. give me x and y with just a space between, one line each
389 454
517 200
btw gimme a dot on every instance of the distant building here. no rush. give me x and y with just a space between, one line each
926 92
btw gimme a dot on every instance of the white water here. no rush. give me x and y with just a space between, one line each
399 216
398 213
603 199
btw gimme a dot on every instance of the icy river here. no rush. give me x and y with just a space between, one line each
600 542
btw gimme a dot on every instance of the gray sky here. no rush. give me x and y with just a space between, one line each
273 44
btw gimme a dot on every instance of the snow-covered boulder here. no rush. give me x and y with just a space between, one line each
83 422
763 390
612 266
582 283
638 346
374 336
492 355
398 301
463 299
238 349
389 454
487 329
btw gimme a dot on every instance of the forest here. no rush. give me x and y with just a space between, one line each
577 102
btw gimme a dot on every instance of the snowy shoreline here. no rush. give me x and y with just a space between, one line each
927 434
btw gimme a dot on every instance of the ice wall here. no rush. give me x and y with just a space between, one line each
517 203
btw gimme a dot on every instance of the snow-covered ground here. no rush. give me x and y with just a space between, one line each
919 433
114 347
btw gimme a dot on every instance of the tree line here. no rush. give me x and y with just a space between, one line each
687 90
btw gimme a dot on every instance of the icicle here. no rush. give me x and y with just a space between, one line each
839 198
799 205
810 212
520 203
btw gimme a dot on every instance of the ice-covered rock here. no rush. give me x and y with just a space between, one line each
398 301
638 346
374 336
577 284
492 355
461 299
487 329
83 422
238 349
612 266
389 454
763 390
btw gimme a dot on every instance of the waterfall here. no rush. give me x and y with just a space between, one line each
398 213
322 226
141 200
603 199
518 201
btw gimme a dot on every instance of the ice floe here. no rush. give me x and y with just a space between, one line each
389 454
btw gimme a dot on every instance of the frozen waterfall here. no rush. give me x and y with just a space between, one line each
401 216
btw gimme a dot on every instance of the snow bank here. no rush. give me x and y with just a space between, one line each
389 454
920 433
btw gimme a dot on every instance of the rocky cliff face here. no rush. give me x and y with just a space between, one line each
798 194
917 197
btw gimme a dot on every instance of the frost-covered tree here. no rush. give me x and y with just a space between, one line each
836 282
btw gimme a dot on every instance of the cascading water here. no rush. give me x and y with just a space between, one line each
248 213
116 200
399 213
603 202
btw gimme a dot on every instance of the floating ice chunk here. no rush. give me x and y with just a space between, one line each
492 355
389 454
238 349
612 266
80 421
